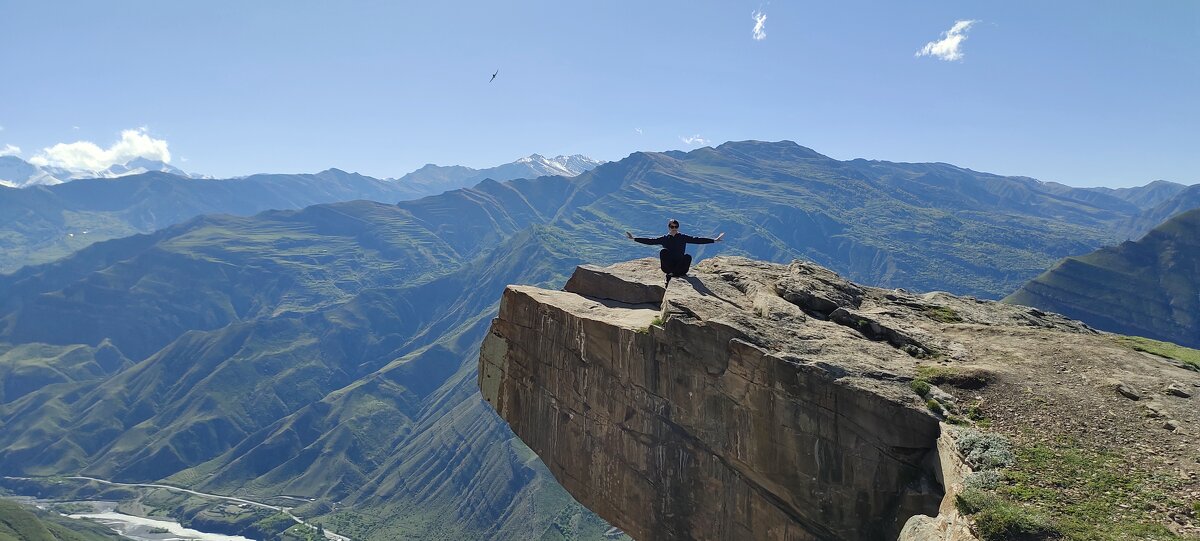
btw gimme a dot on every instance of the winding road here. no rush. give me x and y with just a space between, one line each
285 510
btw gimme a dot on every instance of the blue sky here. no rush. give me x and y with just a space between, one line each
1096 93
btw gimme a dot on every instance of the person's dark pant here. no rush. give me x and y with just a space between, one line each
674 264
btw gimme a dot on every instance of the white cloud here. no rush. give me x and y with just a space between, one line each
88 156
949 47
694 140
638 130
10 150
760 19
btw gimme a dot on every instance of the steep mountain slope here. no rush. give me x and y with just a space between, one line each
329 353
1149 287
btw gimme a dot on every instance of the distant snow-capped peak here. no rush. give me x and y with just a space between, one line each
559 165
18 173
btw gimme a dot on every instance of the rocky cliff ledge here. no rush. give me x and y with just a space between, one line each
763 401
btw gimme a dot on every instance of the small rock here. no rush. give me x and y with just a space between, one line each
1178 390
1127 391
944 397
1171 425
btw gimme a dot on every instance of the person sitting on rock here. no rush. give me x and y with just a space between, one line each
672 258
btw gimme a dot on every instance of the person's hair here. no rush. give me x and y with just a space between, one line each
673 222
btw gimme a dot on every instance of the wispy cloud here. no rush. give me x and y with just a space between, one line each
86 155
948 48
694 140
638 130
760 21
10 150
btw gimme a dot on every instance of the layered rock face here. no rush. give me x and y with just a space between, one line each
748 401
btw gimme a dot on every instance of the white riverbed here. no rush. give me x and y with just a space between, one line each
139 528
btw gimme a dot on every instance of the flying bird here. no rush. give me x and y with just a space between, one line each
494 76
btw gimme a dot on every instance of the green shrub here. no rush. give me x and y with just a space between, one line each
974 413
943 314
997 519
982 480
920 386
984 451
1008 521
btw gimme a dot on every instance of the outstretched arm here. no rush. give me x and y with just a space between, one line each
643 240
702 240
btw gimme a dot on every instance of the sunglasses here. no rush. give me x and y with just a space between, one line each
672 227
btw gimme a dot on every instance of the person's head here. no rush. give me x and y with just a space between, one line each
673 226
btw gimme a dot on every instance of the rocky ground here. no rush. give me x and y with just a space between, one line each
1102 436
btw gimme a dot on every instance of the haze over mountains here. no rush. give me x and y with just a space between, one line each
42 223
330 352
18 173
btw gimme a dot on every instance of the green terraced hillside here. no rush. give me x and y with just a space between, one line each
1149 287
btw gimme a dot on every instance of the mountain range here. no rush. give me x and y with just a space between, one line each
434 179
42 223
18 173
330 352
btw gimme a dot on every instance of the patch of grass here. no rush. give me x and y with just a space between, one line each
942 314
957 421
935 406
975 413
963 378
999 519
72 508
656 322
920 386
1083 493
1185 355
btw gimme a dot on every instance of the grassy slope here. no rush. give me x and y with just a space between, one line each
21 523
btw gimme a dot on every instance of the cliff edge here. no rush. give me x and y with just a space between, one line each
763 401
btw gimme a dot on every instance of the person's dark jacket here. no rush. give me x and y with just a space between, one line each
675 244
